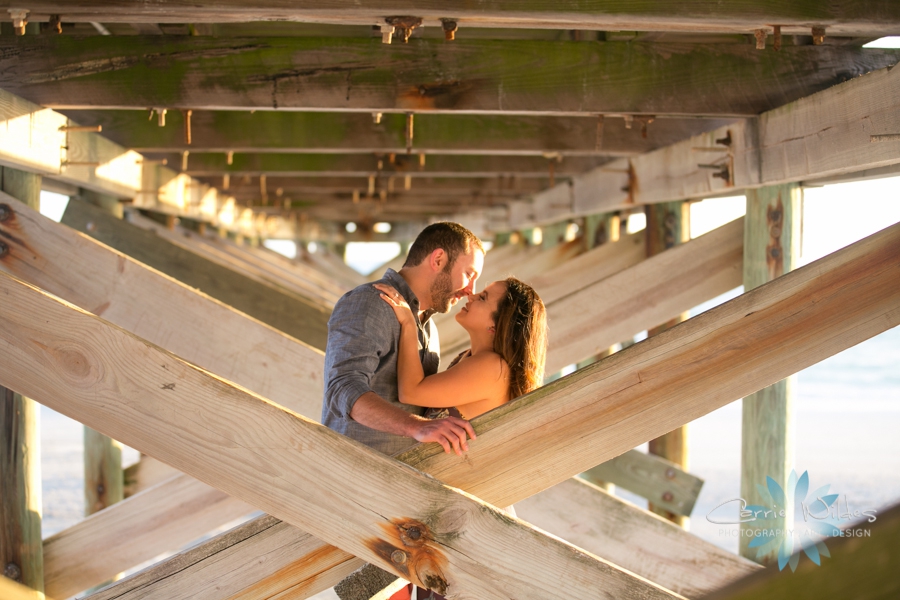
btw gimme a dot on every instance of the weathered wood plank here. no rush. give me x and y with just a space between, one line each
21 557
773 227
601 411
257 451
321 292
869 18
144 474
448 139
292 314
425 75
827 134
663 482
10 590
133 531
858 567
162 310
652 291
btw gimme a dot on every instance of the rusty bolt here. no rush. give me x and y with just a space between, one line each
100 489
725 141
5 212
414 533
13 571
775 253
818 36
399 557
90 226
450 28
670 473
55 25
4 249
760 35
668 497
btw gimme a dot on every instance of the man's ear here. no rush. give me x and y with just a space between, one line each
437 260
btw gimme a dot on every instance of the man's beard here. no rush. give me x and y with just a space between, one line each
442 292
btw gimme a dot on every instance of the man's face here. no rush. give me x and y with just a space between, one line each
457 281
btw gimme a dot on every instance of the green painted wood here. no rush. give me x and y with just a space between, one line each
772 229
425 75
354 133
21 549
292 314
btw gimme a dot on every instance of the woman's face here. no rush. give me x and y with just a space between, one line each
480 308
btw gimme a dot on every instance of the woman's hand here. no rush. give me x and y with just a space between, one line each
401 309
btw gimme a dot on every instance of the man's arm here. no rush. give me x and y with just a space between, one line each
373 411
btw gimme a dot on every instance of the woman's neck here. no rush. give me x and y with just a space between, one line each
481 343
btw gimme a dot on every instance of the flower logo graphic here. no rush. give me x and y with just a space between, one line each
808 520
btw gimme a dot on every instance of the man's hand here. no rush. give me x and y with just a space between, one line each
449 432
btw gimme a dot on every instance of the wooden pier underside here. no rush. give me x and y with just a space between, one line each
269 120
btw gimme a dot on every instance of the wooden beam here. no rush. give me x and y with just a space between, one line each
425 75
258 451
630 397
159 308
21 557
316 288
10 590
134 531
870 17
801 141
292 314
773 227
861 567
320 134
663 482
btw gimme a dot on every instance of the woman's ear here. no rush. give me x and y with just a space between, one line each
492 329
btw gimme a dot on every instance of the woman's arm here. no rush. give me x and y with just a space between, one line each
474 379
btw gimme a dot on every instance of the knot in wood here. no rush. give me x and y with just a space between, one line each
414 533
5 212
13 572
775 253
4 249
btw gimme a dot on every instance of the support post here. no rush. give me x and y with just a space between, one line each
668 224
771 248
103 478
21 552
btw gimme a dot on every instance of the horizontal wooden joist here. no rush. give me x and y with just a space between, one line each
485 77
293 132
843 17
832 133
215 164
664 381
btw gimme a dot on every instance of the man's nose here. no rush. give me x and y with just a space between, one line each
470 289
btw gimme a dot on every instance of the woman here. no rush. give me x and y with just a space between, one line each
507 328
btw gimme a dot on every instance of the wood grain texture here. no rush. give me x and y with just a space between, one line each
610 407
871 17
292 314
284 464
144 474
651 477
478 76
772 232
634 539
657 289
162 310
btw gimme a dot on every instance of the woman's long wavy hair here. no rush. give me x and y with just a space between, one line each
520 336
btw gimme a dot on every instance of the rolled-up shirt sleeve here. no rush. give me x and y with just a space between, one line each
361 334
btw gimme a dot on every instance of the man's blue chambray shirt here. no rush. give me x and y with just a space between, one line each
361 356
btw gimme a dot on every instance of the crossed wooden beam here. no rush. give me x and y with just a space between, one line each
593 461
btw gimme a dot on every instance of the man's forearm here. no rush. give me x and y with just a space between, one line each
375 412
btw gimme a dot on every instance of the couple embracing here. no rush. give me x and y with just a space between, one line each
382 385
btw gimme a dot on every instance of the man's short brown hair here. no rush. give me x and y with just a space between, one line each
452 238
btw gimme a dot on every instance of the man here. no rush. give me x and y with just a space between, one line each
361 396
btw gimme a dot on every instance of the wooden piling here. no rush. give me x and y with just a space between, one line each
104 480
771 248
668 224
21 553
